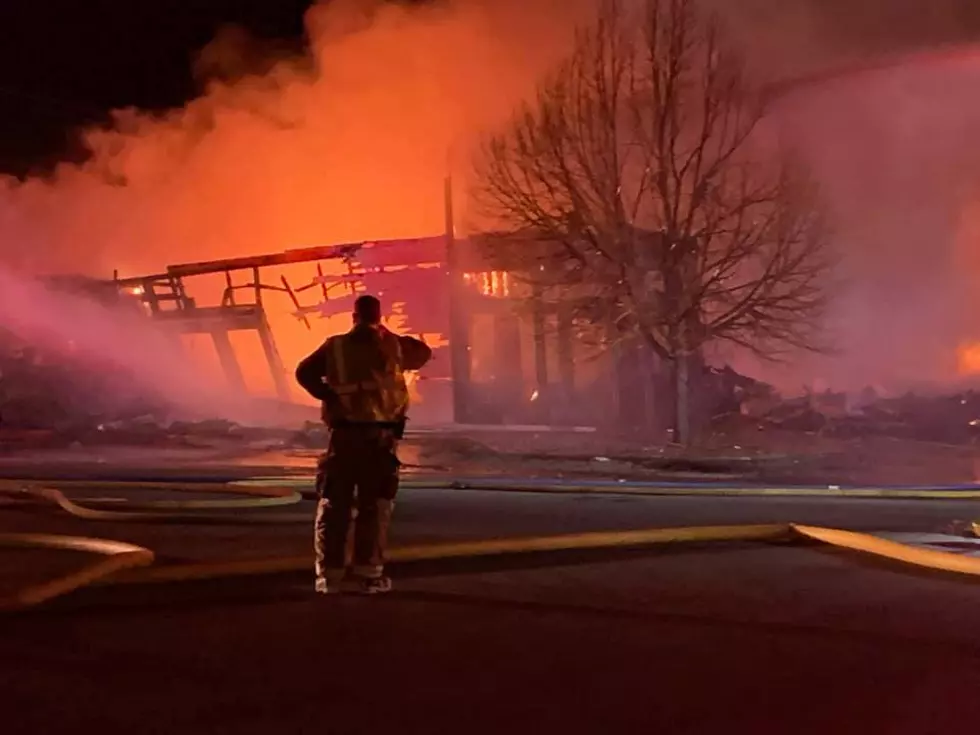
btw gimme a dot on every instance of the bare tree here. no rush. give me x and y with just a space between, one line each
644 188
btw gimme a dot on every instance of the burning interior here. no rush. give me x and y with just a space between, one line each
498 358
504 354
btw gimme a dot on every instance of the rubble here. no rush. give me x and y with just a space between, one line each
311 436
52 400
952 419
55 401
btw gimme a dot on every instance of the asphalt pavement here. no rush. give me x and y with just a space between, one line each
753 638
432 516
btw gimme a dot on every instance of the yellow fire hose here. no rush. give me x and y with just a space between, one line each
127 563
164 510
121 556
117 557
465 549
299 482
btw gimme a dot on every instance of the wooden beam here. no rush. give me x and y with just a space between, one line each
229 298
228 359
303 255
206 319
273 359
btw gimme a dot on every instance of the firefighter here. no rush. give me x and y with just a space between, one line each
359 378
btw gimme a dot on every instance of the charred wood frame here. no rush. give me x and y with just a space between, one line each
167 300
461 288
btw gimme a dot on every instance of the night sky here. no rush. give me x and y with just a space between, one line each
64 64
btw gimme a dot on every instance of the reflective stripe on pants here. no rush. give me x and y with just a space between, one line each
359 470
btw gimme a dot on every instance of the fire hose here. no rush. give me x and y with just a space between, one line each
645 488
186 511
124 562
119 557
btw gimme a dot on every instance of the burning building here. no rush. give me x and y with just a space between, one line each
500 356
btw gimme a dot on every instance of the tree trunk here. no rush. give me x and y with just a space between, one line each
682 399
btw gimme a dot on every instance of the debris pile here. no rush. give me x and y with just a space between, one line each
952 419
54 400
50 400
41 395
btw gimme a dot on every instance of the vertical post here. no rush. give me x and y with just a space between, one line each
509 386
180 296
229 299
459 352
150 296
226 355
272 357
257 283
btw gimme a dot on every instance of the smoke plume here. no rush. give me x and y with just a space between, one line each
352 141
349 143
885 114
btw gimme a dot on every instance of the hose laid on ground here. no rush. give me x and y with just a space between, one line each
285 484
121 556
268 497
636 538
118 557
188 511
123 560
639 487
888 549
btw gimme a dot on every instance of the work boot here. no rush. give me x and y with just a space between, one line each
328 584
372 585
324 587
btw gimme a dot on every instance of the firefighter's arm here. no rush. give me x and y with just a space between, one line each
415 353
312 370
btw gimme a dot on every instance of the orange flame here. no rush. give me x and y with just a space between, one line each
490 283
968 359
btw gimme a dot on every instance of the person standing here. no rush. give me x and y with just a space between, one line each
359 378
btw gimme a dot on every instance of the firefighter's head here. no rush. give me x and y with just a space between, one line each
367 311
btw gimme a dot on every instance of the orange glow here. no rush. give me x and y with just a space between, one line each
294 336
412 381
490 283
968 359
304 155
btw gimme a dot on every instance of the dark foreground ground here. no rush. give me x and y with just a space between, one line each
695 639
746 454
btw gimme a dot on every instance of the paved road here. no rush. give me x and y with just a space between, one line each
734 638
742 639
425 516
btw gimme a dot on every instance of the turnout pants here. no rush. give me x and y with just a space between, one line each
359 471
